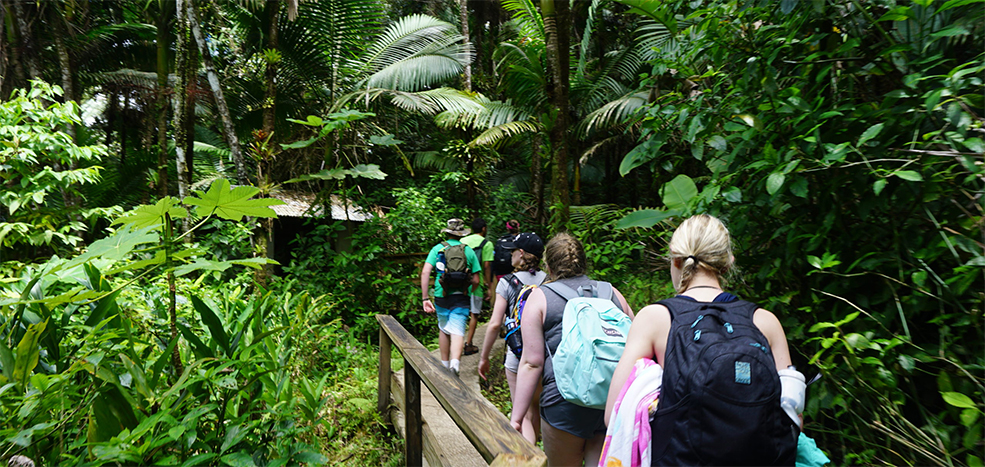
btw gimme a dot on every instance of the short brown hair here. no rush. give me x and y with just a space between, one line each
528 262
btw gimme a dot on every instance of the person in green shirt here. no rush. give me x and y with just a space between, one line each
451 306
484 250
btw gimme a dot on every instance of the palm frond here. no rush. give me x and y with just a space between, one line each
526 18
498 134
486 114
437 161
419 72
612 113
409 38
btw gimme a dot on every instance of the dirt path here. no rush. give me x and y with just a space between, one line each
455 447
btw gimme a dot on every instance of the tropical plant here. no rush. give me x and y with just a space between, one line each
44 170
841 143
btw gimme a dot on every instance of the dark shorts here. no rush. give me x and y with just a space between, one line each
580 421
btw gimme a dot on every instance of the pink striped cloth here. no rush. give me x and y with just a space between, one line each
627 439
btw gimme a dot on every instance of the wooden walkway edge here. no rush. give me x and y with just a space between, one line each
485 428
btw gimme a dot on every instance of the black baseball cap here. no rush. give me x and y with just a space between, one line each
528 242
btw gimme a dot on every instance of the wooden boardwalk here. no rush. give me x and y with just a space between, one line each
489 441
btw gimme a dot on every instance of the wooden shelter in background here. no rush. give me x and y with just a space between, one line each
302 212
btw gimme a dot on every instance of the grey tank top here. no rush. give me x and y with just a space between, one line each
552 333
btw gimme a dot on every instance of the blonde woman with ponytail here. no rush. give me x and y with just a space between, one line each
572 434
700 257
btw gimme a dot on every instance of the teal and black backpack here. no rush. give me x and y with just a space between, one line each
593 337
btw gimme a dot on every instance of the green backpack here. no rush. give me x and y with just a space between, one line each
456 276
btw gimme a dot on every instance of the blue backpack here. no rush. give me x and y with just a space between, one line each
593 337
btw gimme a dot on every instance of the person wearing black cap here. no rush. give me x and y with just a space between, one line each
526 250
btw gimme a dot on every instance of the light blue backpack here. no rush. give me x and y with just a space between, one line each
593 337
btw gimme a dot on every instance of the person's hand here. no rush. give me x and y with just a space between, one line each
518 426
491 296
483 367
428 306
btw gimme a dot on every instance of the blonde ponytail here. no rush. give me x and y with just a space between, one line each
701 242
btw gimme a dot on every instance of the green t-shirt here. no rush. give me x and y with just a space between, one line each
432 259
486 254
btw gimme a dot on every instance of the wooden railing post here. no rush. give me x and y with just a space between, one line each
383 394
414 445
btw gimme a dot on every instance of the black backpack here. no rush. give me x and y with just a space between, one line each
502 262
720 400
456 274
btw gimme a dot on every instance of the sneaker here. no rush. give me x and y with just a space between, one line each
454 370
470 349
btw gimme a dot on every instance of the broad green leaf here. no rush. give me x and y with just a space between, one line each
951 31
923 3
201 264
958 400
641 154
848 319
974 144
733 195
956 3
385 140
814 261
799 187
678 193
255 263
212 320
774 182
644 218
872 132
152 215
718 142
28 352
371 171
327 174
231 204
300 144
973 460
878 186
909 175
969 417
900 13
238 459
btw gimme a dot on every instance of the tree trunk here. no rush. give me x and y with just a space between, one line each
29 50
556 29
164 22
463 14
181 98
270 95
220 99
537 179
10 31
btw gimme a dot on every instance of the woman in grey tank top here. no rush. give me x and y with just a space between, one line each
572 434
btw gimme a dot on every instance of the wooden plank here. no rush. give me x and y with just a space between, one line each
383 392
413 447
482 424
432 448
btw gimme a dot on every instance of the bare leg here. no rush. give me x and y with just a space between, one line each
593 450
563 448
473 320
444 340
457 342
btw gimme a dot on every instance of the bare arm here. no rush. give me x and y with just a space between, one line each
773 330
490 286
532 360
625 305
425 285
650 329
492 329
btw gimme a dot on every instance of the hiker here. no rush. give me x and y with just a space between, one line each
502 257
458 268
483 248
731 416
572 434
526 252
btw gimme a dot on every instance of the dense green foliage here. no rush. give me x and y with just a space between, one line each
841 141
842 145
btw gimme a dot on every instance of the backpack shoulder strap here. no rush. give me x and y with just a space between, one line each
481 246
446 244
605 290
565 292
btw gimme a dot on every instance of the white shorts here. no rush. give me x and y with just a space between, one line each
476 304
512 362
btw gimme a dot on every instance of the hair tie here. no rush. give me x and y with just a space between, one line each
696 260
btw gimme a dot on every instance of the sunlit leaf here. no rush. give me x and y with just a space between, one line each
151 215
958 400
231 204
644 218
678 193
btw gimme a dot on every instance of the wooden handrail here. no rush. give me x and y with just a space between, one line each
487 429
